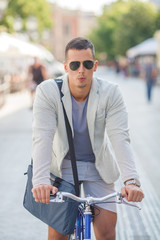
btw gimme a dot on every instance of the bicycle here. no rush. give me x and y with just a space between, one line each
84 216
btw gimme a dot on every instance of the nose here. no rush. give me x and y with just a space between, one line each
81 67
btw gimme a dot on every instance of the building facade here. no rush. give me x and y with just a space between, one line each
67 25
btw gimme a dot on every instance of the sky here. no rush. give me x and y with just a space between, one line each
95 6
85 5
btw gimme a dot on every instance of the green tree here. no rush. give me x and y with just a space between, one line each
134 26
102 36
23 10
122 25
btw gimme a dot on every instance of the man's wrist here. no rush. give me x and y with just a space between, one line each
132 181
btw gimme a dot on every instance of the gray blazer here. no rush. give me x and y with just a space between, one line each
107 124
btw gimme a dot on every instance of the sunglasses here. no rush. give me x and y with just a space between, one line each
88 64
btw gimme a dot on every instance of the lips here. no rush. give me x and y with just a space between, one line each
81 79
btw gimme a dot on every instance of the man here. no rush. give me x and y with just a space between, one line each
98 119
150 76
37 73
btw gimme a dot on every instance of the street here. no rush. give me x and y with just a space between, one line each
15 154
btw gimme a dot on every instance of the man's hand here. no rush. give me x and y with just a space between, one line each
41 193
132 193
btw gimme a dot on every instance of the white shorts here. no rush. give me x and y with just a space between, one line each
93 184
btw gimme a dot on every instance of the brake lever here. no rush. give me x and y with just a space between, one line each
122 200
56 197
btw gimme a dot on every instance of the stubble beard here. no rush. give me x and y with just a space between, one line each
82 86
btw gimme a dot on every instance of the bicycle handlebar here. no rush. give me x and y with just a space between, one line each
59 197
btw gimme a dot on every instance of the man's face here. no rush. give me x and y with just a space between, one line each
80 78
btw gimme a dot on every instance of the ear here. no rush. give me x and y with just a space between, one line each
95 66
65 67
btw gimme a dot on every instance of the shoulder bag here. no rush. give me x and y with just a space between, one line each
59 216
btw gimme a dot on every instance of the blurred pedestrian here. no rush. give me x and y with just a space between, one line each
150 76
117 67
36 73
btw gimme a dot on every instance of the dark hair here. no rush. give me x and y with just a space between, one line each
79 43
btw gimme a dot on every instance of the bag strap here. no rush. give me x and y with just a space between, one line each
70 141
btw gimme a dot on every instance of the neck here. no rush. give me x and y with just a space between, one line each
79 96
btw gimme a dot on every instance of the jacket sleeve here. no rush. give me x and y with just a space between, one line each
43 130
118 133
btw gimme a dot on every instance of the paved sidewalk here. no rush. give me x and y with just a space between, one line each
144 123
15 153
15 148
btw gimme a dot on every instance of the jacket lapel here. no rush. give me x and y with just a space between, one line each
92 108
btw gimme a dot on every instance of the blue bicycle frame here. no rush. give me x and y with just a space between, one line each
87 217
83 224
